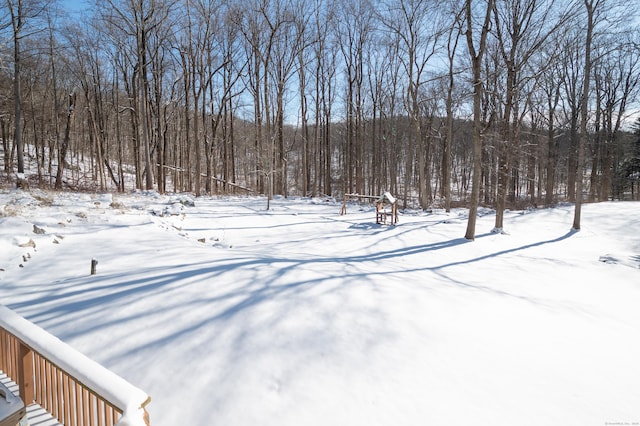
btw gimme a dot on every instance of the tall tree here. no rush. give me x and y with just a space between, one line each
354 31
607 16
18 16
616 79
521 28
590 7
418 26
453 38
290 43
139 20
550 88
476 56
325 68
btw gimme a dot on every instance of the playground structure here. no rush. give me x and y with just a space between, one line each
386 207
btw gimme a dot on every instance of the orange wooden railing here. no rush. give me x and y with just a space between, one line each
62 395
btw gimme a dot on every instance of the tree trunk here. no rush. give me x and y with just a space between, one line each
62 154
476 65
17 22
584 115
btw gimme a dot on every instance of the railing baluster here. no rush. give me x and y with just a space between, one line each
36 376
101 413
67 401
25 375
13 350
79 418
44 385
92 408
60 393
54 393
109 416
49 403
42 382
85 406
3 350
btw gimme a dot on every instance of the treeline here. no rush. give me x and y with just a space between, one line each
300 97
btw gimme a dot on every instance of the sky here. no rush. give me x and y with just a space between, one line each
73 4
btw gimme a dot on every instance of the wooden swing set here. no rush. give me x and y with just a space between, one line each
386 206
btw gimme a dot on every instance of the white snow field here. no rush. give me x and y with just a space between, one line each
229 314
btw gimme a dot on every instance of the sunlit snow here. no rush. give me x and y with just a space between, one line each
229 314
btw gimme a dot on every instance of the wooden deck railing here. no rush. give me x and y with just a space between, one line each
66 397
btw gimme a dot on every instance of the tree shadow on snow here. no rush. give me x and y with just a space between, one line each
262 279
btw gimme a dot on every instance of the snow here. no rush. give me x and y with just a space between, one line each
225 313
388 197
9 403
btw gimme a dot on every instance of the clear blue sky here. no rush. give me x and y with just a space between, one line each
73 5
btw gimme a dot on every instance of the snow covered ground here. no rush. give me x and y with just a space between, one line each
228 314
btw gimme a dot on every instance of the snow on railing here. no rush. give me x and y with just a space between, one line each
73 388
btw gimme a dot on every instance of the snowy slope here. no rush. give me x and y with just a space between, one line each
227 314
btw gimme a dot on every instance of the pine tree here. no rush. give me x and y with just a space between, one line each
628 176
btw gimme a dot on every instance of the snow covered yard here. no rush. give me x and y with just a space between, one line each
227 314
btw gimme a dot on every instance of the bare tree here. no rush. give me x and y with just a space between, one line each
590 6
521 27
354 31
476 55
453 38
608 15
18 14
271 44
62 155
139 20
418 26
550 88
325 67
616 77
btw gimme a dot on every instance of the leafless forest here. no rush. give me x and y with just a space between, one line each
456 102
